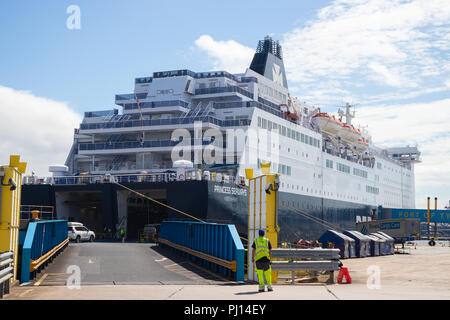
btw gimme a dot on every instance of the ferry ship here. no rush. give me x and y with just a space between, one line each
185 138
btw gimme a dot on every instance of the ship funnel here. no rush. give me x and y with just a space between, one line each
268 61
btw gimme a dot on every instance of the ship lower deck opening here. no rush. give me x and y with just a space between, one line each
142 211
81 206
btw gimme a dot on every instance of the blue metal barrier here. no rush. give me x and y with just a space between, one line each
216 246
43 240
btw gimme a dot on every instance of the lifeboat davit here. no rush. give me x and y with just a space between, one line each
327 124
361 144
349 133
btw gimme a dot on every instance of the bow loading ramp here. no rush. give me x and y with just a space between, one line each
109 263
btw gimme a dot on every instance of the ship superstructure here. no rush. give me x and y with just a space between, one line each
327 166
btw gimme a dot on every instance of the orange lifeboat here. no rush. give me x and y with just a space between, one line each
349 133
327 124
361 144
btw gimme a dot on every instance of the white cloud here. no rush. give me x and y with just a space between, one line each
406 123
390 77
398 43
40 130
425 124
228 55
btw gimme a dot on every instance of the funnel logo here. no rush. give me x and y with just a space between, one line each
276 74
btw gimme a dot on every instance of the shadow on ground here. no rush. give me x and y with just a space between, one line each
193 266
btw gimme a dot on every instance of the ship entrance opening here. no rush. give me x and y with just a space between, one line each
142 211
85 207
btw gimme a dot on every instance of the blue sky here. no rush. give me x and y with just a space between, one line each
121 40
389 57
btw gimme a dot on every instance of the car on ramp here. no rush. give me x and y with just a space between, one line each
78 232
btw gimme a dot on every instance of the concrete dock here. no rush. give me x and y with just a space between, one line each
420 274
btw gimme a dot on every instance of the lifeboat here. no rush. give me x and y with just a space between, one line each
361 144
327 124
349 133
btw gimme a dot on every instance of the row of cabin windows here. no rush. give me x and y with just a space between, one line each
360 173
343 167
346 169
380 166
286 132
345 197
268 91
244 117
373 190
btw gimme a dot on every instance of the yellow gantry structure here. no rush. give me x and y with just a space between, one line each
10 193
262 211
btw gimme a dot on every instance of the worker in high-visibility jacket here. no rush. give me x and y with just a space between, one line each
261 256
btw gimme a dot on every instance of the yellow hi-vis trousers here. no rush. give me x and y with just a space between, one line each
261 274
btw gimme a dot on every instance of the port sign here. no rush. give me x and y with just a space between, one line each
442 216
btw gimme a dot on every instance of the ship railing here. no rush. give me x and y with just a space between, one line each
157 104
44 212
136 144
108 178
215 90
153 177
190 175
249 104
130 96
162 122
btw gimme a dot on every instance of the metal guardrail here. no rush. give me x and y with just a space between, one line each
315 259
45 212
6 271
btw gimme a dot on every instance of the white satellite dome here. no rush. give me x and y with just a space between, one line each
183 164
58 168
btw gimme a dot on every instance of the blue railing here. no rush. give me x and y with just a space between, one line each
249 104
131 96
267 102
197 75
104 113
161 122
143 80
223 90
156 104
173 73
42 241
216 246
135 144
